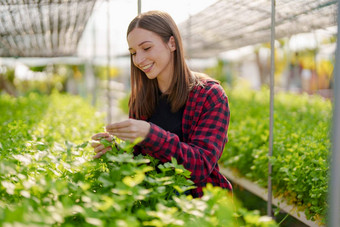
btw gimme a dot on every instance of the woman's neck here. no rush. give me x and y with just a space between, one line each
165 78
163 85
164 81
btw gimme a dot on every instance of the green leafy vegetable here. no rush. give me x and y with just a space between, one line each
300 150
48 176
106 143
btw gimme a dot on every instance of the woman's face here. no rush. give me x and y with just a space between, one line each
151 55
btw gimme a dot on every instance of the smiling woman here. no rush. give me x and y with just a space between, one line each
174 112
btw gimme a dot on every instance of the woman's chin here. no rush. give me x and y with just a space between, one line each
151 76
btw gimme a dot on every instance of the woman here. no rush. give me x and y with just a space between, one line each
174 111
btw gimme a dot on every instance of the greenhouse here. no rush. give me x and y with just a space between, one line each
66 75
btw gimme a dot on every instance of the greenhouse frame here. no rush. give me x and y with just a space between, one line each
42 28
53 28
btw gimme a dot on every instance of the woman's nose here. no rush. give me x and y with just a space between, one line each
139 58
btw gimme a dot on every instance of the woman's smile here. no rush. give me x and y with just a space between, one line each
147 68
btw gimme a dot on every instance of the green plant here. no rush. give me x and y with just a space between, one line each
48 176
300 150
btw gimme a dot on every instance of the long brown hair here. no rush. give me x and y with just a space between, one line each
144 91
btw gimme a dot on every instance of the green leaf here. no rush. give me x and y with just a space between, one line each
105 143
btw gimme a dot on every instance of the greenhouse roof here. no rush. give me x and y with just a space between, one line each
42 28
231 24
52 28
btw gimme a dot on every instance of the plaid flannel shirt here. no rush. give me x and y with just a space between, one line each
205 124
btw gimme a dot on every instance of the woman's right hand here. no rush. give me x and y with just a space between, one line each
100 148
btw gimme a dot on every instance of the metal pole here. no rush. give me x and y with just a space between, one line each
139 7
94 91
189 28
334 185
189 39
271 117
109 110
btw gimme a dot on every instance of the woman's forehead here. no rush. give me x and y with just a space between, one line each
139 36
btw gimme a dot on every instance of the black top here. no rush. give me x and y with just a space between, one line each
167 120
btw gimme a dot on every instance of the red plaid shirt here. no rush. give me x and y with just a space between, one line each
205 125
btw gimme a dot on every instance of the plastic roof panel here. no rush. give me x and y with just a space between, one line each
42 28
231 24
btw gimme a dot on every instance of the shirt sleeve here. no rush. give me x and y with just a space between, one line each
206 141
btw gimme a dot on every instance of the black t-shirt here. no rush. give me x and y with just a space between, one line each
164 118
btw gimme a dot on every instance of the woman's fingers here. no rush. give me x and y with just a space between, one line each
101 152
96 139
126 136
95 143
102 135
120 126
99 148
130 129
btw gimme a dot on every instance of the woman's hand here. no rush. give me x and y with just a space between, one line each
129 130
100 148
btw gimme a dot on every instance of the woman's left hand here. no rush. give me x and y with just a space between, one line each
129 130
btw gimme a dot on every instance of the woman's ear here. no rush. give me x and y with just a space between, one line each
172 43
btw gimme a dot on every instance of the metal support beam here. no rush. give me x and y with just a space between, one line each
271 117
93 57
334 184
139 7
109 108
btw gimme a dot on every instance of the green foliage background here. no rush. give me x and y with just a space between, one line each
300 150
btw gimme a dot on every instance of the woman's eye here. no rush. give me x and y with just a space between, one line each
147 48
132 54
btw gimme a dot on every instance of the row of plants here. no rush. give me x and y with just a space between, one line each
49 178
46 78
301 145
